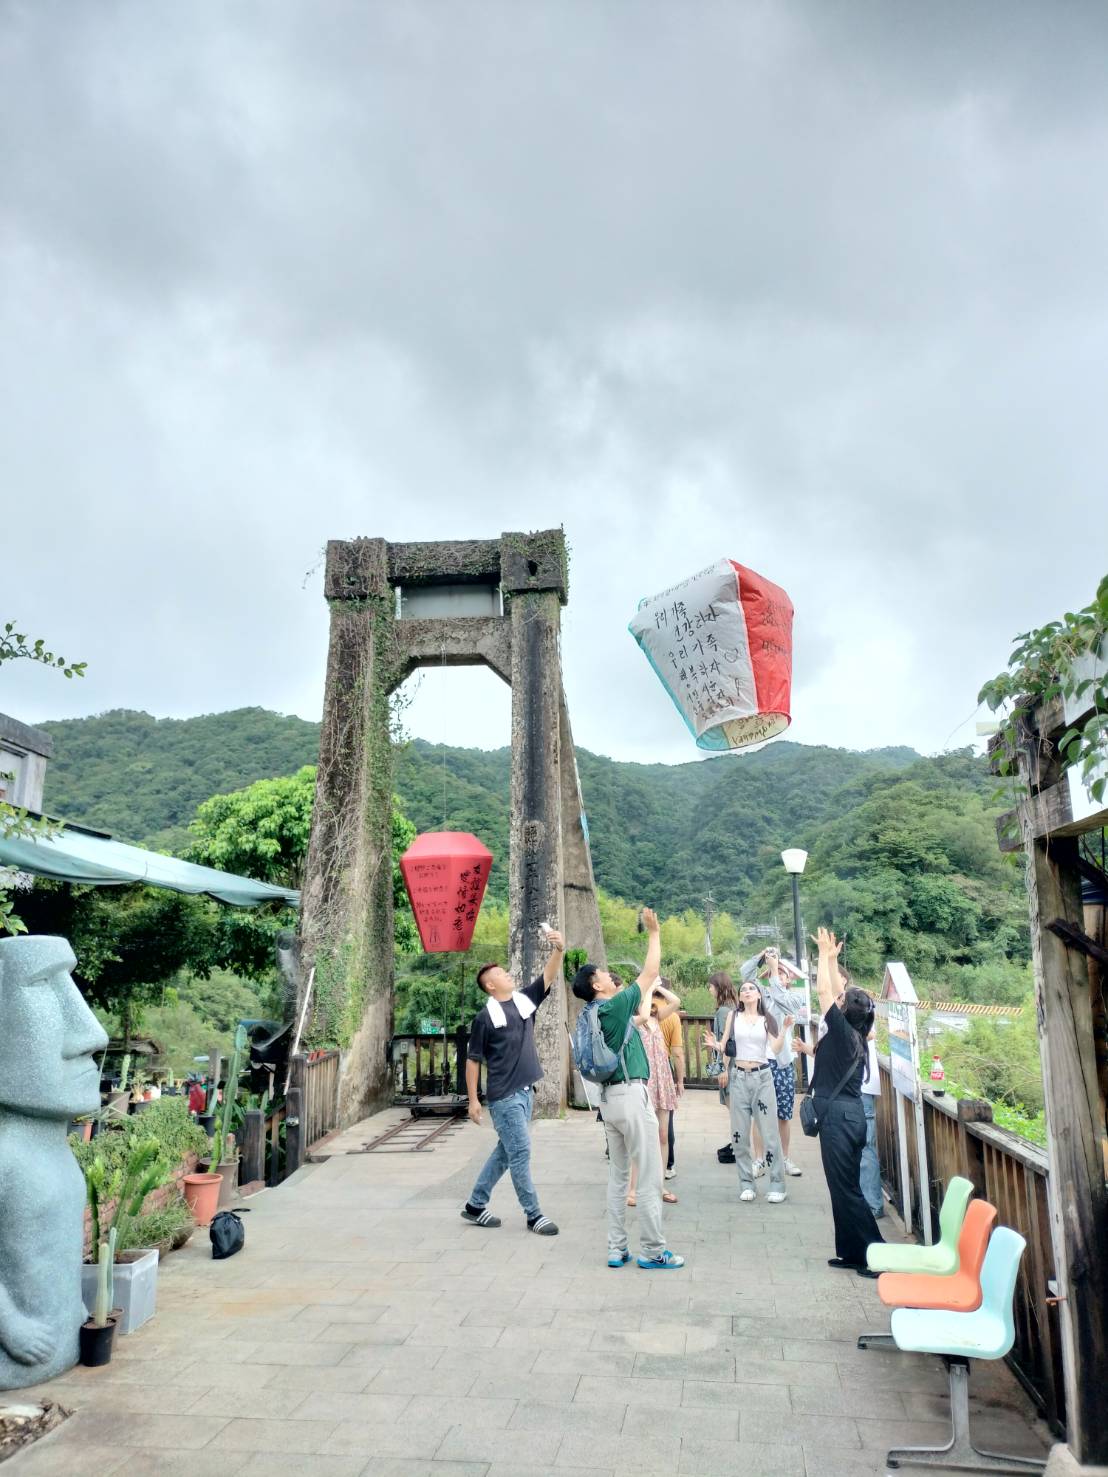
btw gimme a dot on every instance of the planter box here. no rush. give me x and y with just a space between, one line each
136 1288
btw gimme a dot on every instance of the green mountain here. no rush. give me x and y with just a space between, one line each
666 832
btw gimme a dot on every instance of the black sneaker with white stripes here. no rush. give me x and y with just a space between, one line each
542 1225
481 1217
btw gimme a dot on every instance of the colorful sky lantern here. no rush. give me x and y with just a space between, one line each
722 644
445 873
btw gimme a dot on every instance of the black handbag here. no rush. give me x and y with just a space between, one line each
227 1234
809 1113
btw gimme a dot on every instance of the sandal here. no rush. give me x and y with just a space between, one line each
669 1197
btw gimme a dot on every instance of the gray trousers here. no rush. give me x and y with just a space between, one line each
631 1128
753 1099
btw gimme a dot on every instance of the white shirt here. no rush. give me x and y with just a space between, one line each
751 1038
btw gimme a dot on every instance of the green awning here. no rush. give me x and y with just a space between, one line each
74 855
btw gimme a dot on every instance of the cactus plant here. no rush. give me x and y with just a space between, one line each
143 1171
230 1093
102 1307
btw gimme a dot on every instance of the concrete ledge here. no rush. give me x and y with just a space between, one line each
1063 1463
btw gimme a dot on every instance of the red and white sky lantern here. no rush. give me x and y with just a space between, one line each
445 873
721 643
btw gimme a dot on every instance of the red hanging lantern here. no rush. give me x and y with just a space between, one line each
445 873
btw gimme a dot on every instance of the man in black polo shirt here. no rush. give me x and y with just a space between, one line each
503 1037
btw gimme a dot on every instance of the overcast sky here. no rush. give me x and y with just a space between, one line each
816 286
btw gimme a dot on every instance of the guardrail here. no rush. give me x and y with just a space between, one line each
1011 1174
428 1065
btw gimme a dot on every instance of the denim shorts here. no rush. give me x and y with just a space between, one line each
784 1085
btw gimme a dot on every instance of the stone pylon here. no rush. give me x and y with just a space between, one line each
396 608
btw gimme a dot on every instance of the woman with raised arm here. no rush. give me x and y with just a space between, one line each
750 1037
842 1062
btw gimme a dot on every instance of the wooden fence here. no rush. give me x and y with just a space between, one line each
427 1065
1011 1174
308 1114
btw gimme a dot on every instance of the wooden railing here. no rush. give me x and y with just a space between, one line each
427 1065
317 1076
1011 1174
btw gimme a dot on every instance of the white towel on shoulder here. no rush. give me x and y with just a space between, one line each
523 1004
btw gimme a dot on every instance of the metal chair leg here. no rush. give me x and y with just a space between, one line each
960 1454
876 1341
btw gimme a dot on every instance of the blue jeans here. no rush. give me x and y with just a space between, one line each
511 1117
869 1177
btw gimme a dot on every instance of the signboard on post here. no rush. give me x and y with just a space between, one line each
898 1003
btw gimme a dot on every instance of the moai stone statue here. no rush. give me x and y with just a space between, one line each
48 1075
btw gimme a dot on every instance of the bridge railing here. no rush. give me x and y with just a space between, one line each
1012 1174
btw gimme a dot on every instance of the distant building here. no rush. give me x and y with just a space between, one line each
24 752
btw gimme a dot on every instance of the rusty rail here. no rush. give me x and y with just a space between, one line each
1012 1174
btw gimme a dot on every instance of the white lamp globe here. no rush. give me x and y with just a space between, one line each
794 859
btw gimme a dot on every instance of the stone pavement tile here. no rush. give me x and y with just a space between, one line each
105 1428
684 1420
345 1312
475 1409
704 1454
880 1435
327 1405
537 1384
704 1366
185 1348
597 1389
393 1356
167 1400
401 1467
163 1463
410 1441
534 1415
758 1425
853 1399
541 1338
515 1451
448 1379
588 1320
500 1469
287 1464
571 1361
456 1336
249 1403
993 1431
357 1333
51 1458
300 1438
348 1380
823 1460
307 1354
247 1330
770 1398
641 1453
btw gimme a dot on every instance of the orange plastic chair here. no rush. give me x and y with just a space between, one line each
960 1292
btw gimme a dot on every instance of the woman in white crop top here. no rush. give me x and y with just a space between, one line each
749 1039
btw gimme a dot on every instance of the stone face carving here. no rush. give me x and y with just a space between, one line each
48 1075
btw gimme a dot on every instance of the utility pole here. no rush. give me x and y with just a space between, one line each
709 914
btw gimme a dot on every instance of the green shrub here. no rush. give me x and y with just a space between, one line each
159 1228
167 1122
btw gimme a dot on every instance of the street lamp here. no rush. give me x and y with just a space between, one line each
794 860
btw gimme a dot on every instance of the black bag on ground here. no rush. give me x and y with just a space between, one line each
726 1155
228 1234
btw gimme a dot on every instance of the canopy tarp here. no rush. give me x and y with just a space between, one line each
73 855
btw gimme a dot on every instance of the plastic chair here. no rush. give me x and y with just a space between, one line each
988 1333
942 1258
958 1293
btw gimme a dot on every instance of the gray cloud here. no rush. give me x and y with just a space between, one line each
816 286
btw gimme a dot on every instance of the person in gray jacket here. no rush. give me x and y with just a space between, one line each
775 976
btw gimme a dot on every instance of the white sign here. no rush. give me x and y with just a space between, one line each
898 995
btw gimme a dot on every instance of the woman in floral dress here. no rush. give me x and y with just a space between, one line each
660 1087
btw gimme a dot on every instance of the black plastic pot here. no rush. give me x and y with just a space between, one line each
96 1343
207 1123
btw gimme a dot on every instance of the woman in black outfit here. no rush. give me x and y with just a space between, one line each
842 1119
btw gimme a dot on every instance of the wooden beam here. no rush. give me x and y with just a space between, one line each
1049 813
1077 938
1078 1201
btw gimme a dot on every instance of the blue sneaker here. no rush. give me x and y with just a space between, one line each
663 1263
619 1258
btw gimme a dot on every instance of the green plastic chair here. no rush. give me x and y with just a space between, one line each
988 1333
942 1258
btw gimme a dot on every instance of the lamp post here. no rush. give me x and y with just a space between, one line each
794 860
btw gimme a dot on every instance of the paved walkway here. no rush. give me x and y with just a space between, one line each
366 1331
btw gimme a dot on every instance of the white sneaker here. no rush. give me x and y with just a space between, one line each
671 1174
759 1168
747 1195
775 1197
791 1168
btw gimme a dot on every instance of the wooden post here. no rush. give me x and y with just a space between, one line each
294 1131
1078 1202
253 1146
971 1151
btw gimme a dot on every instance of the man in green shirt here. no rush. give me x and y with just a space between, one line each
630 1122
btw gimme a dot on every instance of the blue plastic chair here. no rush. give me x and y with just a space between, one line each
942 1258
988 1333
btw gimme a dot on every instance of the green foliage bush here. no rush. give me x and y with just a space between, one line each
166 1122
158 1228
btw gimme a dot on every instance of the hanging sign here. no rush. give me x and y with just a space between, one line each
445 873
721 643
899 995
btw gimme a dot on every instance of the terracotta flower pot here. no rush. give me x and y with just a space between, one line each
202 1196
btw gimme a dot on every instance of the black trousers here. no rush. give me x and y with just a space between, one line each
672 1116
842 1137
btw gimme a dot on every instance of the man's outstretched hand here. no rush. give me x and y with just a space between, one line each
650 920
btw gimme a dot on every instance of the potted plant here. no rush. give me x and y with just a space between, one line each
224 1154
134 1269
95 1336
